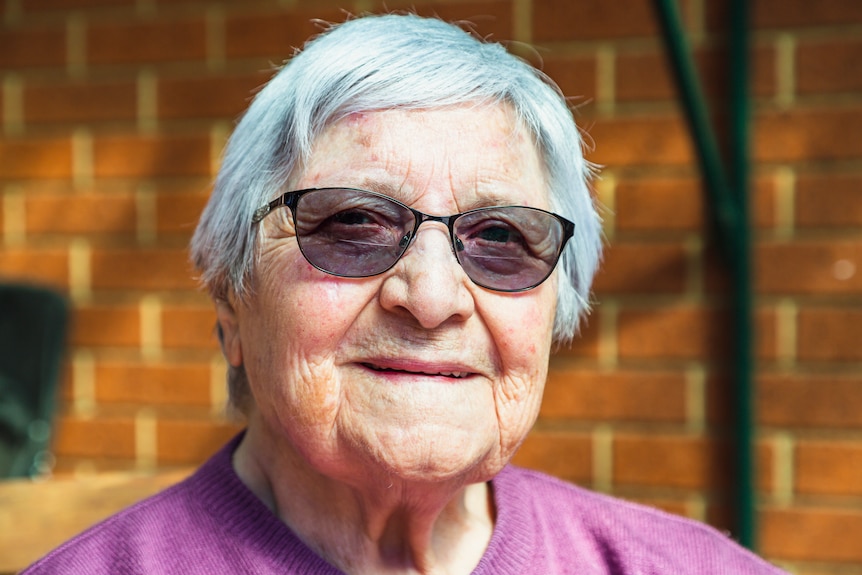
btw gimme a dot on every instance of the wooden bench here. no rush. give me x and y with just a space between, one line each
37 516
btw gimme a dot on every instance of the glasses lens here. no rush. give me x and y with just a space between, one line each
350 232
508 248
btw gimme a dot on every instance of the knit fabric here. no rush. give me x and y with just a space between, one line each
211 523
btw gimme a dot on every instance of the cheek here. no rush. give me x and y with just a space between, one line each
299 320
525 333
523 342
305 303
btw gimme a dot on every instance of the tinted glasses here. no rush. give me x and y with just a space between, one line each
355 233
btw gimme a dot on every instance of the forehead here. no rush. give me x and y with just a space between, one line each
478 154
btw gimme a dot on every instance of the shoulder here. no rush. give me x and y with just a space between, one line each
118 544
170 532
625 537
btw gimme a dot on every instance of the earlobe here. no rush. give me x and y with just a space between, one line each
228 332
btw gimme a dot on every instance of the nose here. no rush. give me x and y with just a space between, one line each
428 283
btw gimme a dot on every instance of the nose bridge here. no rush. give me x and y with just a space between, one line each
447 221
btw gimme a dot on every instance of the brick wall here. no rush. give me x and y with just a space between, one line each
113 115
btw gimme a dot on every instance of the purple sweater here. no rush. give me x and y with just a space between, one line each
211 523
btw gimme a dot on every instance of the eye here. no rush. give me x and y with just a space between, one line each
353 218
497 234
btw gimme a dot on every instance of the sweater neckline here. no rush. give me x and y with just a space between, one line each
245 518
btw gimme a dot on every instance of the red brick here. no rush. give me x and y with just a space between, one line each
79 102
487 18
273 34
808 135
575 75
720 395
641 141
670 461
764 465
160 384
829 334
564 455
811 534
35 158
178 211
189 327
151 156
40 265
31 47
643 267
658 204
138 42
90 213
586 343
150 269
829 467
762 207
673 332
95 437
207 97
720 408
35 6
555 20
191 442
590 395
804 13
667 505
830 66
765 333
682 462
813 267
828 201
106 326
666 204
809 400
643 75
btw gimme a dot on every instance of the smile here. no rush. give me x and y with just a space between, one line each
452 374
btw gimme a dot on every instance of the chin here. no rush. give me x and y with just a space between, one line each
434 458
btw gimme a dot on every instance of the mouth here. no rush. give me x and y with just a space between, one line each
449 374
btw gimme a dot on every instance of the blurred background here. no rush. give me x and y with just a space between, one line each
113 114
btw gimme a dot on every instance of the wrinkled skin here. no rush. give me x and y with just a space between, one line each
384 404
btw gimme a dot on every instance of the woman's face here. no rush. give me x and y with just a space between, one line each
417 373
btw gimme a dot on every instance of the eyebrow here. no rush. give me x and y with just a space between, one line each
381 188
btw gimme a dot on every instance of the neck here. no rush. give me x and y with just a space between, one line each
368 522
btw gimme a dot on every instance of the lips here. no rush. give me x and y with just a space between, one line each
439 373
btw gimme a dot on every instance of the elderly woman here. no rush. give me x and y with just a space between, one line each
400 232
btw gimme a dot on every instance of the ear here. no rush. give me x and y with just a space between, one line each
228 326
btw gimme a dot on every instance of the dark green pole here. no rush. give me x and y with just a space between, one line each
727 194
738 160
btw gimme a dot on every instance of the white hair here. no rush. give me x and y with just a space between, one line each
379 63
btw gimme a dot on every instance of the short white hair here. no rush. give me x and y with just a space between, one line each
379 63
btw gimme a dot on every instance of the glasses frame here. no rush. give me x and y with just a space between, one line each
291 201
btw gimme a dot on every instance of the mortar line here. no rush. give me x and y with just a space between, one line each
13 105
14 216
80 255
83 383
151 327
146 440
602 449
785 73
